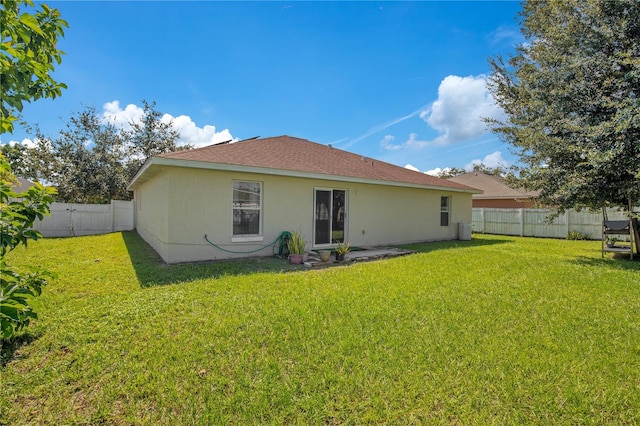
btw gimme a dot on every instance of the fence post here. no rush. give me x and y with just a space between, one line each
521 222
113 217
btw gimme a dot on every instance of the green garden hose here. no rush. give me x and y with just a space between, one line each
281 242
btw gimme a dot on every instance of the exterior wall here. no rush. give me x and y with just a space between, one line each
193 203
392 215
507 203
152 214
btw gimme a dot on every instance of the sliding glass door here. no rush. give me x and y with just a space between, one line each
330 215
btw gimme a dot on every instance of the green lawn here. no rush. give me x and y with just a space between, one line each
497 330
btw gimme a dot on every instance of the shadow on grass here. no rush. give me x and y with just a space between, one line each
152 271
617 262
9 348
456 244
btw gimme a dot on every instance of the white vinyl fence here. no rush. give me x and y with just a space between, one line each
70 220
533 223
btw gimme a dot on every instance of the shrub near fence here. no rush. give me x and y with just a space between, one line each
533 222
69 220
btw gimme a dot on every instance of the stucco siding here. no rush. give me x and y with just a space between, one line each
151 213
194 202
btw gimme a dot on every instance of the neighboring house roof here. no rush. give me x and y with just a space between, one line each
21 185
290 156
493 187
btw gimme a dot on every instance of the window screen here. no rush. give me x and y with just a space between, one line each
247 208
445 205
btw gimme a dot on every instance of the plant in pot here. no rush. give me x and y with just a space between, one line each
611 241
296 245
341 250
325 255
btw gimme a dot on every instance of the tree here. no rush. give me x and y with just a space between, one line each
86 162
151 136
18 157
571 93
91 160
28 56
18 212
450 172
148 137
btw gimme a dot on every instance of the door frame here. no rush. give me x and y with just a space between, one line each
331 229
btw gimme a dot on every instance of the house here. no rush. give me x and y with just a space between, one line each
243 195
21 185
495 193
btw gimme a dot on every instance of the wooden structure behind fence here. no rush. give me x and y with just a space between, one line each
70 220
533 222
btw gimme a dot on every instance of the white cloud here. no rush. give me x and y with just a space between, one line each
507 34
190 134
387 143
26 142
383 126
438 171
121 118
457 113
411 167
411 143
492 161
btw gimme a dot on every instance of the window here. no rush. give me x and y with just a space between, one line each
247 208
445 207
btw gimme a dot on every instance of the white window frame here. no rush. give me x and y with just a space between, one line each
247 237
445 209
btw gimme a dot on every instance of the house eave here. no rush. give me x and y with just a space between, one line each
148 170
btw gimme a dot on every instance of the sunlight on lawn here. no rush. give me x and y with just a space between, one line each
494 330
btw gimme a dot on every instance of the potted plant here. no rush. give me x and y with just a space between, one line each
325 255
611 241
341 250
296 245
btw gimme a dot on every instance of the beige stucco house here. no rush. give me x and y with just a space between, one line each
243 195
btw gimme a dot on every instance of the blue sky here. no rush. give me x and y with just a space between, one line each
401 82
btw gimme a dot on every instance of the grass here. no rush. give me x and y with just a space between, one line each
497 330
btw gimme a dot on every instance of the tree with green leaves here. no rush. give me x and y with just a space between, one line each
93 160
28 56
86 162
18 212
18 156
148 137
571 94
450 172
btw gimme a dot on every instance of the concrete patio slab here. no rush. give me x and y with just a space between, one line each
363 255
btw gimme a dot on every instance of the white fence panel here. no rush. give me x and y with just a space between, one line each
122 215
70 219
498 221
533 222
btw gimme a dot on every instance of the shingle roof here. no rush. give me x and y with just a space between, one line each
300 155
492 186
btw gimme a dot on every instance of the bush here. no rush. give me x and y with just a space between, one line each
577 235
17 214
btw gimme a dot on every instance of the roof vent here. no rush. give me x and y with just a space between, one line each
330 146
